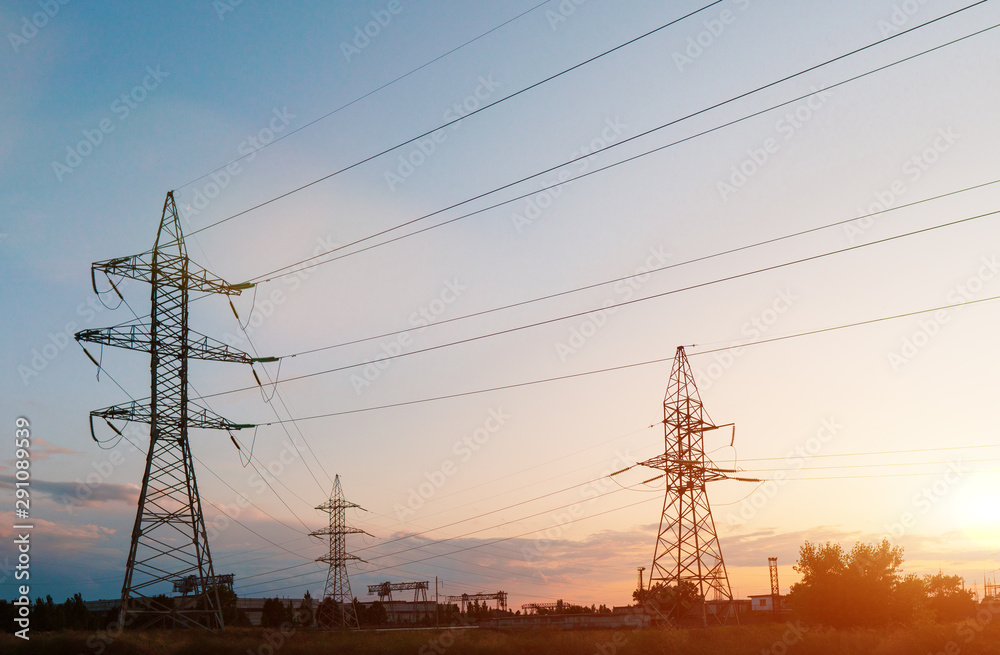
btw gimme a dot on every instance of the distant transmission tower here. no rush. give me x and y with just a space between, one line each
338 585
772 568
688 558
169 544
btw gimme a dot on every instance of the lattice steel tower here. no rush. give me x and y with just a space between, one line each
338 584
687 556
168 538
772 569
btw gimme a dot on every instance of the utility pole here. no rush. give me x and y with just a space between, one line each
168 543
687 557
338 584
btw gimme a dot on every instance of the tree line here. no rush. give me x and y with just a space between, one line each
863 587
867 587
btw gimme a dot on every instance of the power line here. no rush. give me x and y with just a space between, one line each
366 95
518 536
875 452
439 541
633 276
855 466
638 300
645 500
880 475
492 482
611 368
494 511
207 468
369 547
422 546
267 276
793 469
626 277
466 520
509 491
267 401
460 118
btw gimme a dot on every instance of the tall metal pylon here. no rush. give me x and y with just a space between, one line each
338 584
687 557
169 542
772 569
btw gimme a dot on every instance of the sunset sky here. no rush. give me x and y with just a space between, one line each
745 123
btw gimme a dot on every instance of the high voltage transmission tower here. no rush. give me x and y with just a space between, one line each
772 569
338 585
169 543
687 559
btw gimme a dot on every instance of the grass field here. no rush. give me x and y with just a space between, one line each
948 639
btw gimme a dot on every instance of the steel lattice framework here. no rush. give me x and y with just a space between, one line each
772 569
338 584
687 557
385 589
500 597
168 542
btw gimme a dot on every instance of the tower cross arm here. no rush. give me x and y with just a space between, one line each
139 337
140 267
327 531
135 267
334 504
336 559
198 417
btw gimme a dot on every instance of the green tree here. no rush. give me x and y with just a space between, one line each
43 615
377 614
947 598
274 613
305 614
231 614
909 602
76 616
670 601
848 589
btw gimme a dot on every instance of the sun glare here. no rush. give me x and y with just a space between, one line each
975 507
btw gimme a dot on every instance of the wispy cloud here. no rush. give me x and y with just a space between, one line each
42 449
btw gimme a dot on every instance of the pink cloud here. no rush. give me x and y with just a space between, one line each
60 537
42 449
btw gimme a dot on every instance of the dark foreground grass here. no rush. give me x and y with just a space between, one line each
778 639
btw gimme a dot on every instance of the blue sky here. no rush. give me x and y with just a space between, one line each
108 107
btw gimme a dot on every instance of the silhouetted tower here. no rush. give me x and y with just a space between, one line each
772 567
991 590
687 557
338 585
168 543
640 570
